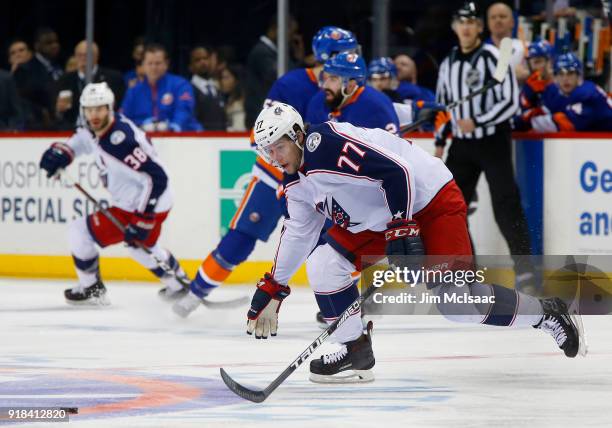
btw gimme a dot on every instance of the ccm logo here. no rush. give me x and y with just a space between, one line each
401 232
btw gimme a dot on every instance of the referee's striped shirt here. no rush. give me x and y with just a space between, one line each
461 74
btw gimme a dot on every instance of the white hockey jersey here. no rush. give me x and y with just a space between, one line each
129 166
358 178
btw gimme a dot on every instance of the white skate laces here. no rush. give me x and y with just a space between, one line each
555 329
335 356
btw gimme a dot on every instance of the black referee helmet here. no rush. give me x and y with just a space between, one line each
469 10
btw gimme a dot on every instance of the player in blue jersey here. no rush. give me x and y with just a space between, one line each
578 105
262 204
345 98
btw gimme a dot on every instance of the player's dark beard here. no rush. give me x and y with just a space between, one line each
336 101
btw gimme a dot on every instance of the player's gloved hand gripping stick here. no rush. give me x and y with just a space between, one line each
135 242
501 70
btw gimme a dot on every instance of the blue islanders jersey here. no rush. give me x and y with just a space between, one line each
295 88
410 91
587 108
551 97
367 108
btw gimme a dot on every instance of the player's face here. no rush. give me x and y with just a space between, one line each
332 85
467 31
380 82
155 65
406 69
567 81
286 154
539 63
98 117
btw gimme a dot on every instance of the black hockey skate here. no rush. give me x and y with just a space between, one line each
566 329
94 295
350 364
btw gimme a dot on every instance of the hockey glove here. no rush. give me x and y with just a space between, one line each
139 228
442 128
263 314
403 239
426 110
58 156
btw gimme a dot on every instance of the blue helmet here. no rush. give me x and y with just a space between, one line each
567 62
332 40
382 66
347 65
539 48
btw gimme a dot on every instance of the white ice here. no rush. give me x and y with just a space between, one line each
135 364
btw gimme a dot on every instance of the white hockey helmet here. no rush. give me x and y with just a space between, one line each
97 94
273 123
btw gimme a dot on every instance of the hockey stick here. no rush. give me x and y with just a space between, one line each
501 70
161 263
258 396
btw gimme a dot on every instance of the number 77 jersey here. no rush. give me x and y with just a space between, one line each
360 179
129 166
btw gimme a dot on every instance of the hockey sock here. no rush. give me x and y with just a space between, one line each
87 270
234 248
333 303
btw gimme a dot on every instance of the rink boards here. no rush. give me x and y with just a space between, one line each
209 174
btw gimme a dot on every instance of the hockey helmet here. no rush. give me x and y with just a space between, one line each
347 65
332 40
567 62
272 124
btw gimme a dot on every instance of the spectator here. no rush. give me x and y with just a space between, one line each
407 76
10 105
209 104
500 22
18 53
35 80
262 69
231 88
71 64
137 73
69 87
162 101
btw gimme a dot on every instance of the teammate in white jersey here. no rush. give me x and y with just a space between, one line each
381 192
141 197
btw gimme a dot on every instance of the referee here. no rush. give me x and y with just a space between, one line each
481 131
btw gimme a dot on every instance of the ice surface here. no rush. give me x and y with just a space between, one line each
135 364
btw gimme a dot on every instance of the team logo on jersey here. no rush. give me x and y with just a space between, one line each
313 141
472 79
167 99
337 214
117 137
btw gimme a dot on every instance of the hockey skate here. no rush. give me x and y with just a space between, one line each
176 286
565 328
350 364
186 305
94 295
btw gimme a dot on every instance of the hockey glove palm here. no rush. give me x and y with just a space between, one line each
58 156
403 239
263 314
139 228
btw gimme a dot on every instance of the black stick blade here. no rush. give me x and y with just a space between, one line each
241 391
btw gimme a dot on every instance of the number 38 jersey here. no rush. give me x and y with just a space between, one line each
129 166
360 179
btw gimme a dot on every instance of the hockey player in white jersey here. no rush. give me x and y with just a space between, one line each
386 197
137 182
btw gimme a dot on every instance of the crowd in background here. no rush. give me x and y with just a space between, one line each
39 93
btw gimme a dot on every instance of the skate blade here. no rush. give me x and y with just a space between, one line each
93 301
583 347
349 376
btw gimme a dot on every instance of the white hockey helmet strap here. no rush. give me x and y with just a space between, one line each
273 123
